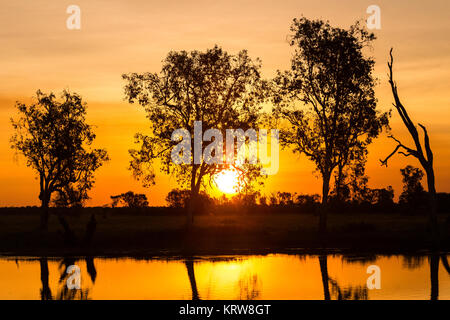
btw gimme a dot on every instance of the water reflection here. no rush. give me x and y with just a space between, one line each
46 293
190 270
434 260
63 292
332 277
249 287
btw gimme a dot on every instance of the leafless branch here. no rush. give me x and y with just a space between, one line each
399 146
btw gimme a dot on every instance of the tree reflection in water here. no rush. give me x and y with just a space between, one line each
434 273
190 270
46 293
249 286
337 292
64 293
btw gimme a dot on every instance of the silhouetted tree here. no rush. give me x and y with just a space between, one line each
245 199
425 159
262 200
130 199
177 198
308 202
222 91
55 138
413 195
351 181
70 197
181 198
332 78
285 198
351 166
383 198
273 200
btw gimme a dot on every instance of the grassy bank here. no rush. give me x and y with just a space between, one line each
155 232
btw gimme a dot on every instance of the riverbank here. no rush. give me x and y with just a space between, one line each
143 233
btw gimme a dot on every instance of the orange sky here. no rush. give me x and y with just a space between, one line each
39 52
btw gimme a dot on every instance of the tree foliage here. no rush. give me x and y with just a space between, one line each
413 195
130 200
222 91
56 141
327 97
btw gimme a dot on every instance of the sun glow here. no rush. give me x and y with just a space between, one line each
227 181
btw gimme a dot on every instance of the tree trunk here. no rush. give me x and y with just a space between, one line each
44 212
324 208
193 204
324 272
192 200
339 183
434 276
433 206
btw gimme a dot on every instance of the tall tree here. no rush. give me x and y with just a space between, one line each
425 157
327 98
55 140
222 91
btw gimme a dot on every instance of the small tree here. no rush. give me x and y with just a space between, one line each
177 198
130 200
383 198
285 198
327 98
55 139
413 194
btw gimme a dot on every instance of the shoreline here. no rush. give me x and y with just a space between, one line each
170 254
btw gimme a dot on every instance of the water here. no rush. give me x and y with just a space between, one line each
236 277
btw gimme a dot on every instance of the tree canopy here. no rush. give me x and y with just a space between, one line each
221 90
56 142
130 200
327 97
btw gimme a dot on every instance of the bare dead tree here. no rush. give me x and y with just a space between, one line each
425 159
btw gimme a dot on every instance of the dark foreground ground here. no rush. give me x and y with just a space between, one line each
147 233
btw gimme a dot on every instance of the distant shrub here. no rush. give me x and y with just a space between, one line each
130 200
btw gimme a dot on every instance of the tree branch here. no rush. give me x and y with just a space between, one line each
400 145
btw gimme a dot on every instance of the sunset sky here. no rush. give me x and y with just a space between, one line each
116 37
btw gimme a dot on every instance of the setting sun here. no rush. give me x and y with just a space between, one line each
227 181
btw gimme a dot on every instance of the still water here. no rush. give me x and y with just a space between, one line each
232 277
